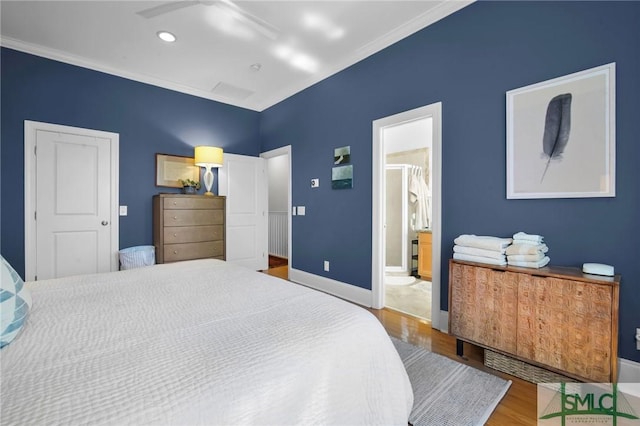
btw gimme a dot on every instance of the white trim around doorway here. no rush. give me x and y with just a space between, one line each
377 211
285 150
30 133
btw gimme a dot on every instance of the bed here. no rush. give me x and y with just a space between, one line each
198 342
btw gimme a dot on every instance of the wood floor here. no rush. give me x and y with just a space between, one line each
518 407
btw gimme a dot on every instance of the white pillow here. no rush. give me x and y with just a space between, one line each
15 301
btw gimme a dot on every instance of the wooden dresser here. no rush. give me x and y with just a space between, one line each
556 318
187 227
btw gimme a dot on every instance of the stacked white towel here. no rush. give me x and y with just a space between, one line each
528 251
482 249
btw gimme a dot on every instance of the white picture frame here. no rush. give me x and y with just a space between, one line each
561 137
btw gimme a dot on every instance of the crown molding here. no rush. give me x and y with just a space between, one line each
442 10
429 17
60 56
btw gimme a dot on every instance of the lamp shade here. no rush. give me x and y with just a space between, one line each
208 156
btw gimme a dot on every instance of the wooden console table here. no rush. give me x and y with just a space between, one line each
556 318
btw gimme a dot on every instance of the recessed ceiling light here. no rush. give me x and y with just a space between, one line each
166 36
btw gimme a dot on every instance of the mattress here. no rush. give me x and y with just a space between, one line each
198 342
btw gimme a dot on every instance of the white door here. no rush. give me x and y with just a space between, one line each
73 211
243 180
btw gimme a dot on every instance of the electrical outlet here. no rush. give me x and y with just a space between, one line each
638 339
315 183
326 265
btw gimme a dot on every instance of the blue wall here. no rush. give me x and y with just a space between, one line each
149 120
468 61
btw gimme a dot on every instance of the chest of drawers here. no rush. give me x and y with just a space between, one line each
187 227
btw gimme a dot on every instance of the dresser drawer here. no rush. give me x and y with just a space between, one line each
188 227
187 251
192 234
188 203
193 217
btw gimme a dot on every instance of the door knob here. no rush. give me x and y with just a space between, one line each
104 223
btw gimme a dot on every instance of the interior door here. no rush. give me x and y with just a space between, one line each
70 188
243 180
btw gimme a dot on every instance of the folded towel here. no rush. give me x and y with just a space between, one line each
538 264
525 257
527 242
480 252
480 259
521 236
526 248
482 242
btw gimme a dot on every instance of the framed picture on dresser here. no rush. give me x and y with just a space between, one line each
170 169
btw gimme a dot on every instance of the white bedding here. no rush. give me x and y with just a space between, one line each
199 342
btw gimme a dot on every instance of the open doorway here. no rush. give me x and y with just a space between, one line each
421 160
279 184
407 216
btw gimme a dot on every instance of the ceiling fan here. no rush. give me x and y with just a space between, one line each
228 6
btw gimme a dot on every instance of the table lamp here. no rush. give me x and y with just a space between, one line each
208 157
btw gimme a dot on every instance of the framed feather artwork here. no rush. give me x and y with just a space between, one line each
561 137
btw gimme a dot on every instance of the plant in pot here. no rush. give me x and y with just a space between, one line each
189 186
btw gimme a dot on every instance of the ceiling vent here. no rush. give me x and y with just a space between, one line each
231 92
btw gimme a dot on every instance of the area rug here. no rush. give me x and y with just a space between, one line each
414 299
447 392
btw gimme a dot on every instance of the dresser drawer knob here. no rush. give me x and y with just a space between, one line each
175 218
175 235
175 252
175 203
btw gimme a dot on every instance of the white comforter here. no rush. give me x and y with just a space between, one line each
200 342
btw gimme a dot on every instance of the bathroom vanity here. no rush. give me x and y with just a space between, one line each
424 255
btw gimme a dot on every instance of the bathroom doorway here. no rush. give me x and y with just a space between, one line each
407 213
407 149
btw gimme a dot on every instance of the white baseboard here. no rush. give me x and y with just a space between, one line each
628 371
342 290
348 292
444 322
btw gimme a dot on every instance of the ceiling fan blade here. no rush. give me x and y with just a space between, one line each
260 25
152 12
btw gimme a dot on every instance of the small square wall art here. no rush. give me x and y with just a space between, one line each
342 155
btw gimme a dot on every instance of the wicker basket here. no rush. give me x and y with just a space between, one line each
521 369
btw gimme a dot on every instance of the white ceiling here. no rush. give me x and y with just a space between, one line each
296 43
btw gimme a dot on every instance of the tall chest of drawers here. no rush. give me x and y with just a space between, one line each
187 227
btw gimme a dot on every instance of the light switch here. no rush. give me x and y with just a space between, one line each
301 210
123 210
